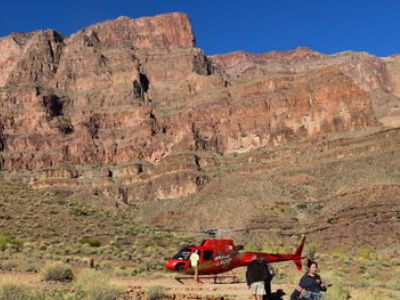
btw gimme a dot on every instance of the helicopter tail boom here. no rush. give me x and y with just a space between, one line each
277 257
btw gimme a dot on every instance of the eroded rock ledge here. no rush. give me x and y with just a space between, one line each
130 107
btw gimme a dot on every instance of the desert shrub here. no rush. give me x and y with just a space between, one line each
4 241
58 272
91 242
92 284
13 291
365 254
339 254
301 206
156 292
81 211
311 252
16 245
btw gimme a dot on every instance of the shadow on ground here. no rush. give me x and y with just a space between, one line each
278 295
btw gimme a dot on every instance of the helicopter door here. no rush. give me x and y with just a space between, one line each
208 255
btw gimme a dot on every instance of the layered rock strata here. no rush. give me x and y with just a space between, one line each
130 107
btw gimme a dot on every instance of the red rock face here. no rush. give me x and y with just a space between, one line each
367 71
233 59
124 106
167 31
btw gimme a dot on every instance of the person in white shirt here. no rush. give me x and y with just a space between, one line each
194 263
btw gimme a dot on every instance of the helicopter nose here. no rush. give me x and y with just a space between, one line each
170 265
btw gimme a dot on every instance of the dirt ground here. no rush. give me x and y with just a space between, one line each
189 290
132 286
190 287
226 291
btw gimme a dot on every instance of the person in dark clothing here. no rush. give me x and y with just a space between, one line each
310 285
267 281
257 275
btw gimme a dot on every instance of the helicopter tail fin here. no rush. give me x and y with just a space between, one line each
298 253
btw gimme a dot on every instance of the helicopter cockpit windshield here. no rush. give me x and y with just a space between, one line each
182 254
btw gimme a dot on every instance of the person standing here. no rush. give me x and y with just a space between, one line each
256 275
194 263
310 285
267 281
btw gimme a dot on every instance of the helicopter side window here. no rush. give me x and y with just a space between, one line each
182 254
208 255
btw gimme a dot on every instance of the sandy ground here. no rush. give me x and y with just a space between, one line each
226 290
238 290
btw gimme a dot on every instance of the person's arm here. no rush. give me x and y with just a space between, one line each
304 283
271 271
267 272
323 286
298 289
198 259
296 293
248 277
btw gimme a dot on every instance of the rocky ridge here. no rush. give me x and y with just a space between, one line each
130 108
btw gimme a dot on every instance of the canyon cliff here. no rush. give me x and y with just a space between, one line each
132 110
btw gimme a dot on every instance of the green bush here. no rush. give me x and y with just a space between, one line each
4 241
92 284
91 242
365 254
301 206
156 292
16 244
81 211
311 252
58 272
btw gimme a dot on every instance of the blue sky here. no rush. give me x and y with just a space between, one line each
221 26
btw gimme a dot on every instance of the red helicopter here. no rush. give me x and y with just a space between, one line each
222 255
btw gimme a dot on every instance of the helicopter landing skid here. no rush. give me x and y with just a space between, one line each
215 278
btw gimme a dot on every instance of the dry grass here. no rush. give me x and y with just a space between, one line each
13 290
92 284
277 191
49 227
